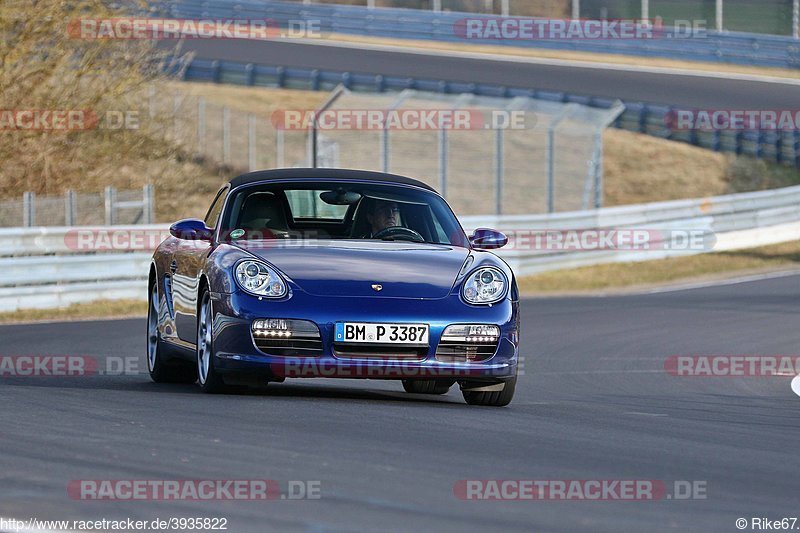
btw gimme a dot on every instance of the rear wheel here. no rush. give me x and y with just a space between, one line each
163 370
210 380
427 386
499 398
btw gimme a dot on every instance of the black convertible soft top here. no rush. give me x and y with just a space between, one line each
301 174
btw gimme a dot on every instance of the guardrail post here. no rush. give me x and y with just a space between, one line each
437 6
499 169
505 8
28 209
280 77
252 156
148 204
226 135
110 200
250 74
645 9
215 71
70 208
576 9
720 25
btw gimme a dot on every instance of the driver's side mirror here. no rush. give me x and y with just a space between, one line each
191 229
488 239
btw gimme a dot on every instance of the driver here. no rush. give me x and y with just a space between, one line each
381 215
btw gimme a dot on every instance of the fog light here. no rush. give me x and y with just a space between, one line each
282 328
479 333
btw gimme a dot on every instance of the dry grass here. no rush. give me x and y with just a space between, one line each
651 273
99 310
640 168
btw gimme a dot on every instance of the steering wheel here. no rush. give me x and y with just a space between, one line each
399 233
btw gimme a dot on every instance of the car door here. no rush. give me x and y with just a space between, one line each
187 264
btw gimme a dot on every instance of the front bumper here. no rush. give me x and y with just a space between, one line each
235 351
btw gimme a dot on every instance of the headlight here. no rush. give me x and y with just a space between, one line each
484 286
257 278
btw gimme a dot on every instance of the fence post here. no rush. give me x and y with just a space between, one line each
201 126
505 8
177 101
226 135
437 5
499 154
443 162
251 142
598 170
280 143
551 168
148 204
151 101
645 9
720 25
28 209
576 9
796 19
110 200
70 208
385 148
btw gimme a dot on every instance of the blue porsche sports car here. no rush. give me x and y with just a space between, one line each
333 273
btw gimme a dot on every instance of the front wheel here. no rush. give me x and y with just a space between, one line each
499 398
163 370
210 380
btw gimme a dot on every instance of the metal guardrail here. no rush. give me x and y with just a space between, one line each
735 221
729 47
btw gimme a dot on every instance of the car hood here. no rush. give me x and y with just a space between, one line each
351 268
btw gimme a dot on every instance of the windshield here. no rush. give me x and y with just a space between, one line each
340 210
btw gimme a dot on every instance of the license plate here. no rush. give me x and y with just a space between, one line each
403 334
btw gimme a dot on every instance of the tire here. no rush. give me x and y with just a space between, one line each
427 386
494 398
163 370
210 380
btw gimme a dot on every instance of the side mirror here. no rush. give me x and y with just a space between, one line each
191 229
488 239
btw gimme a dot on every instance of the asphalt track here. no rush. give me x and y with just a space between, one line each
594 403
703 92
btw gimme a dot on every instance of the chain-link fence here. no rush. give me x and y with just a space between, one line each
504 156
80 209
